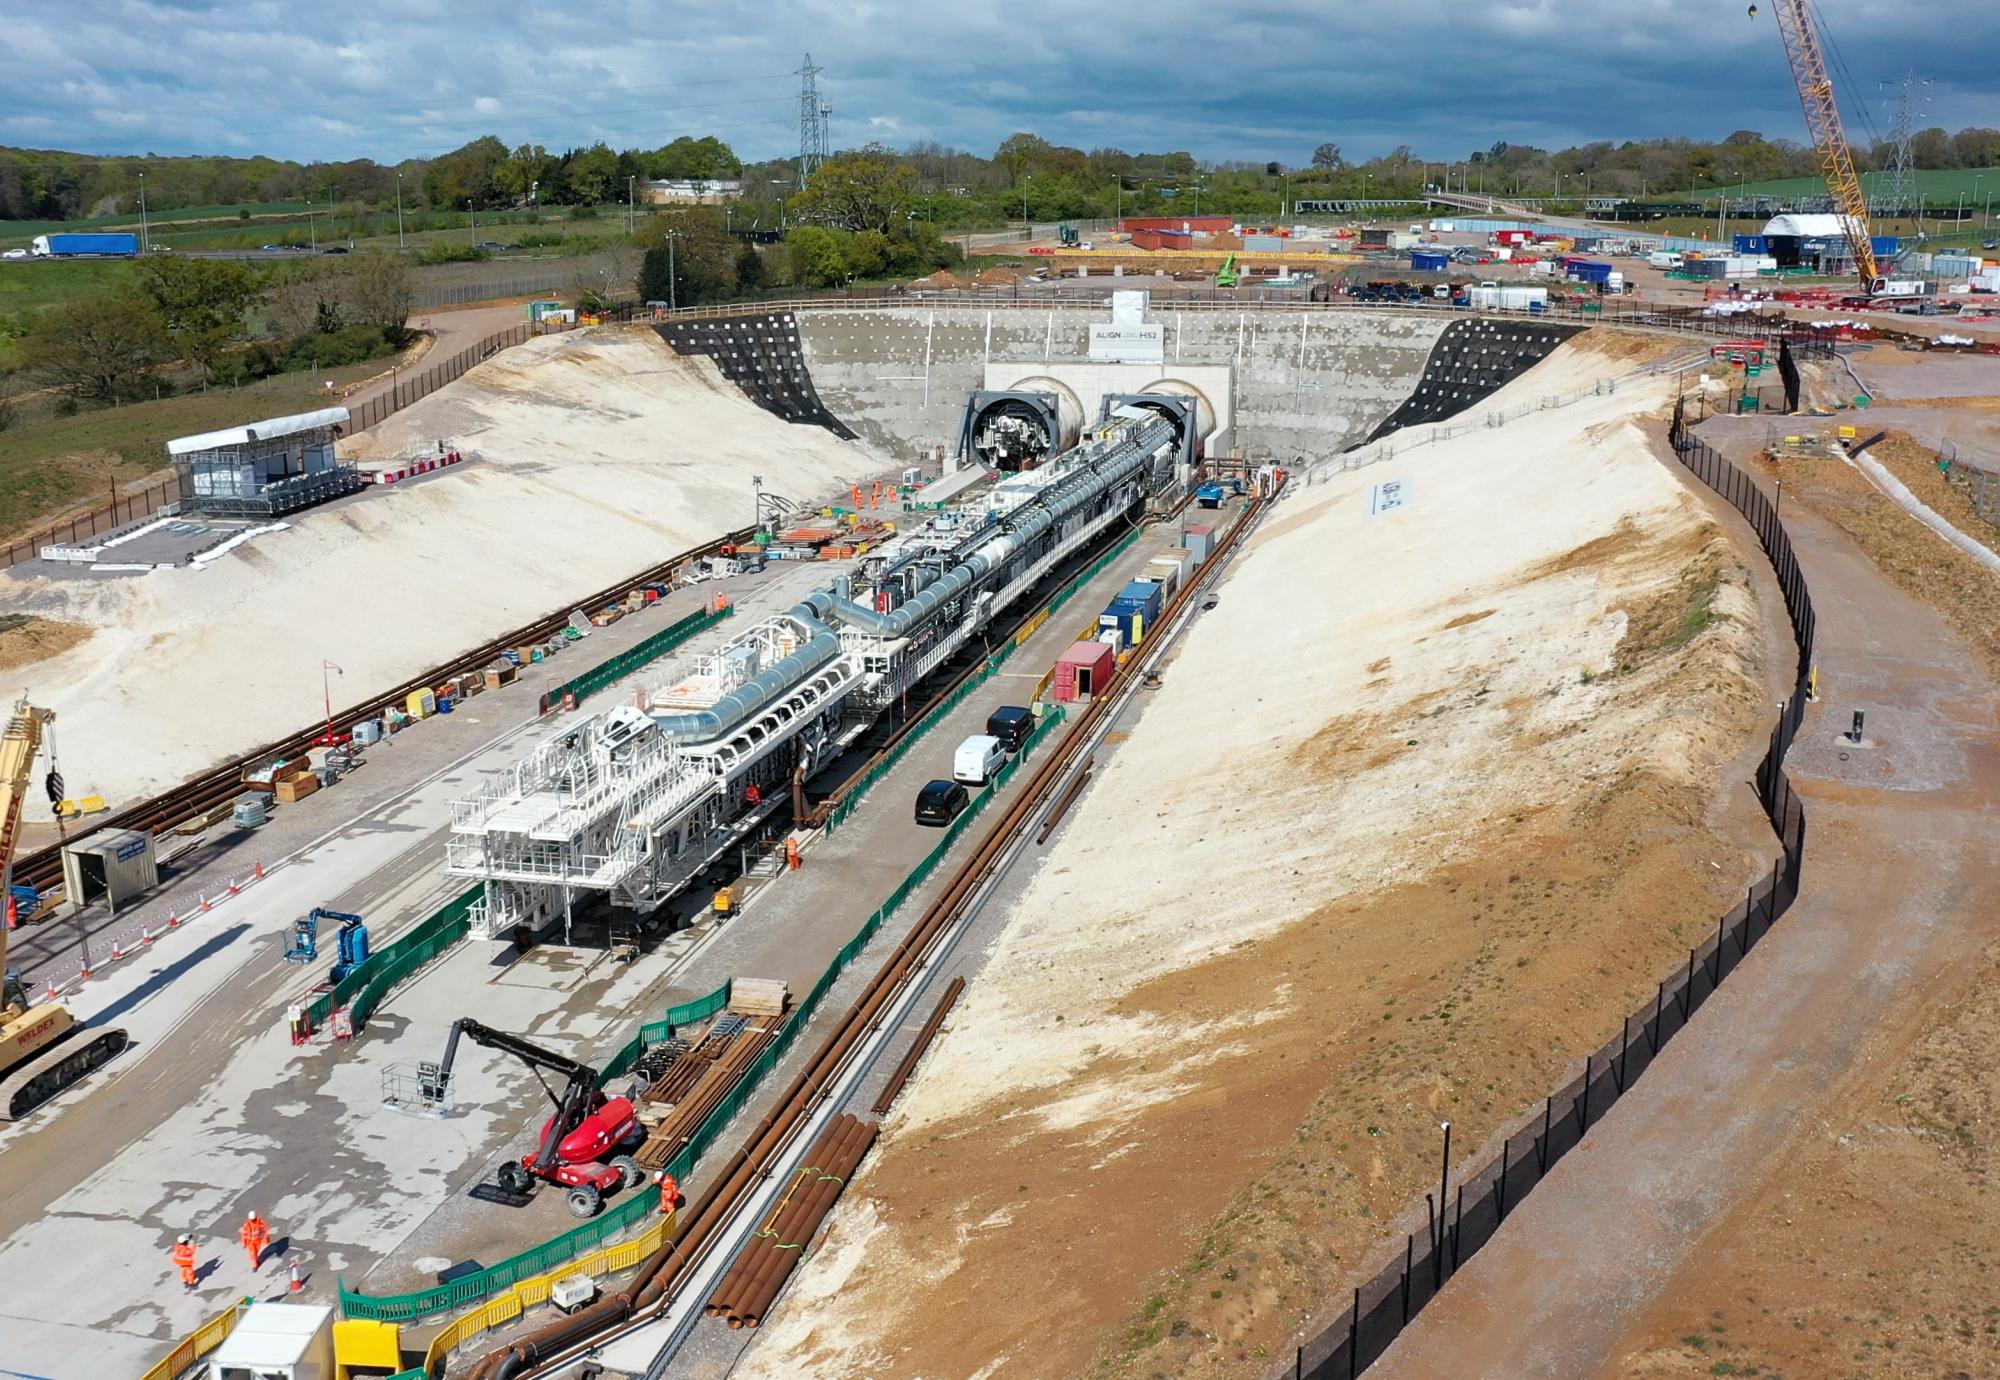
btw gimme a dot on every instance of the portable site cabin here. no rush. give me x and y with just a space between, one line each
1084 670
274 466
117 864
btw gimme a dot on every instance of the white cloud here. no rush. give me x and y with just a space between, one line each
1262 78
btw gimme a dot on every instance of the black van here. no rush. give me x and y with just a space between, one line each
941 802
1011 724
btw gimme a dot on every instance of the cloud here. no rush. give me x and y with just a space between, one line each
389 79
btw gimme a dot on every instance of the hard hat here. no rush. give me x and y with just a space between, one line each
659 1176
251 1215
183 1241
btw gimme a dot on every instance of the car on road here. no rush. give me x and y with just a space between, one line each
977 759
1011 724
494 244
941 802
15 254
334 249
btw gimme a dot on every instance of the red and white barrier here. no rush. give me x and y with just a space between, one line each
417 467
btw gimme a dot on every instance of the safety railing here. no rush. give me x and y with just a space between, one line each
687 1013
197 1344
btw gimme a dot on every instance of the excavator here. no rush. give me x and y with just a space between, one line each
43 1049
585 1126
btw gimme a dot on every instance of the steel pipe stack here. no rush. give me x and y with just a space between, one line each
752 1284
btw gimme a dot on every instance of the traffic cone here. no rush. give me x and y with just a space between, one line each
116 952
260 872
174 921
298 1286
52 994
146 935
205 903
234 887
83 969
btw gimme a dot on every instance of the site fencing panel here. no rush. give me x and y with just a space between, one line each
1378 1311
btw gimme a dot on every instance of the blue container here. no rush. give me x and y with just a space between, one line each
1752 244
1885 244
1429 261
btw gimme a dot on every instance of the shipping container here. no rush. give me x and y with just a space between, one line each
1198 539
1587 271
1167 574
1752 244
81 246
1429 261
1206 224
1084 670
1266 244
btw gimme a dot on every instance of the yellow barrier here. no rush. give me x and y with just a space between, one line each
366 1342
511 1303
1029 628
195 1345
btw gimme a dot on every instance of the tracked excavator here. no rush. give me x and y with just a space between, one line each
43 1049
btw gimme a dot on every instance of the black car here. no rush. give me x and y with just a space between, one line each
941 802
1011 724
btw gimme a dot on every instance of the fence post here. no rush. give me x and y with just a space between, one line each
1583 1101
1659 1006
1354 1336
1687 990
1500 1187
1542 1146
1409 1259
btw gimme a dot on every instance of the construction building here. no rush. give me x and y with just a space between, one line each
266 468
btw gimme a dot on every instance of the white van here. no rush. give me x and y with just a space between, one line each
977 758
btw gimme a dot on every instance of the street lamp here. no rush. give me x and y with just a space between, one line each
630 204
472 220
673 287
399 213
145 239
312 227
1026 178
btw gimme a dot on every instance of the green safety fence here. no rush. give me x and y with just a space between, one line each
362 990
687 1013
994 661
636 1207
632 658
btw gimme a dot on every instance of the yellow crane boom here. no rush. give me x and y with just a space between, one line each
1829 136
42 1048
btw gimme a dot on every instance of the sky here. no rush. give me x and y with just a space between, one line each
1263 79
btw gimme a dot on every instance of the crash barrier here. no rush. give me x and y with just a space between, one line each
517 1299
189 1350
362 990
1467 1219
634 1207
577 689
851 796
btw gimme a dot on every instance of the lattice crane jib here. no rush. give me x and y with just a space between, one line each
1829 137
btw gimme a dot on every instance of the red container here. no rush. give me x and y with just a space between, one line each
1084 670
1209 224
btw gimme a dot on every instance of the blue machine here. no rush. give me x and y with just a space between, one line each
353 940
305 940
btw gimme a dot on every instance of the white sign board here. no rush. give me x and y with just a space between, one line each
1128 344
1388 496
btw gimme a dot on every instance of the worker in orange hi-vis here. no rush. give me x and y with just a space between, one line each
670 1191
792 859
256 1235
184 1258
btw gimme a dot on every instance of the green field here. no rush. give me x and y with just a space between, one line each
1938 187
28 286
219 227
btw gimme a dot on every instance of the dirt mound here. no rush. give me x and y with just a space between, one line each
998 277
26 640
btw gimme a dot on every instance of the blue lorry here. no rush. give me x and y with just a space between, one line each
91 246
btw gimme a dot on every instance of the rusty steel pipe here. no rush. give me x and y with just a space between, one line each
782 1214
786 1251
840 1140
908 1063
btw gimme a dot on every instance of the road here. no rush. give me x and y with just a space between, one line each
1766 1061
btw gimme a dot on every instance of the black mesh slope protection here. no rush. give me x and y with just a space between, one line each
762 355
1470 361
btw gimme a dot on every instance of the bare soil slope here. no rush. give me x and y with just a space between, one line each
1481 789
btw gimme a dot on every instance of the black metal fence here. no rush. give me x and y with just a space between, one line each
1469 1217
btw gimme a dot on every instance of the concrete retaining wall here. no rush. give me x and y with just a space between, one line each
1304 384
